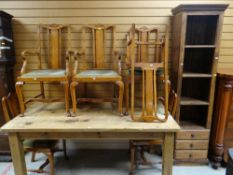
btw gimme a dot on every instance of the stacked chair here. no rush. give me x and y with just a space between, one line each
142 67
99 72
138 147
10 106
50 46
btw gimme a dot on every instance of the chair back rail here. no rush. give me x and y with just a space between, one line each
52 40
98 35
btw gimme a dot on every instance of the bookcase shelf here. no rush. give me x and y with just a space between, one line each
192 101
195 75
200 46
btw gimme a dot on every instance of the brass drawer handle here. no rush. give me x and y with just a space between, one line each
191 145
192 135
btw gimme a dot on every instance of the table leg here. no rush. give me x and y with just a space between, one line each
17 154
168 149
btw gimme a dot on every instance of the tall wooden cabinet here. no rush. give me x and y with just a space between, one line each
222 132
7 62
196 39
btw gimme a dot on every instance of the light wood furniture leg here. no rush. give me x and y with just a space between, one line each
120 84
168 149
19 92
17 153
126 97
73 86
67 99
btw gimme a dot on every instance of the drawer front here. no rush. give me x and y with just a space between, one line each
190 154
192 144
193 134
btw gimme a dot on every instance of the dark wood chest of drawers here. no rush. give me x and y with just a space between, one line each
222 128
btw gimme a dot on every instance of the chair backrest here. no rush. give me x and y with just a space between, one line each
147 45
99 50
52 41
10 106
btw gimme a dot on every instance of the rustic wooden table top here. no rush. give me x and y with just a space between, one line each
52 118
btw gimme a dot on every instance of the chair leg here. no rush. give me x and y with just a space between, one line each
51 163
33 159
67 99
42 89
41 168
142 155
120 98
64 149
126 97
132 157
19 92
73 86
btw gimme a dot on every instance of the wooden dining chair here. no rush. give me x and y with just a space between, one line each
138 147
51 48
11 107
146 60
99 72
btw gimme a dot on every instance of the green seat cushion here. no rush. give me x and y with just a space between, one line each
31 143
44 73
97 73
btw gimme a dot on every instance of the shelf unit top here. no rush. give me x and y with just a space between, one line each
199 7
2 13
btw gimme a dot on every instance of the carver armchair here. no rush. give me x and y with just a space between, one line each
99 72
51 45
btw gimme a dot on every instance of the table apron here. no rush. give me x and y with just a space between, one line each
92 135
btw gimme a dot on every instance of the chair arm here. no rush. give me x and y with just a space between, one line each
81 52
76 54
69 54
27 53
118 55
